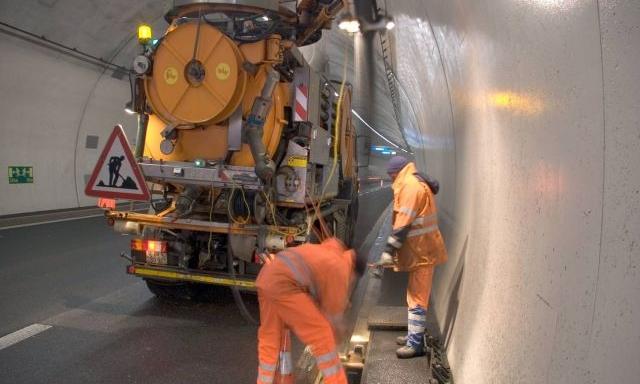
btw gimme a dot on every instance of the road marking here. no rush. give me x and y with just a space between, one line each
50 221
22 334
60 220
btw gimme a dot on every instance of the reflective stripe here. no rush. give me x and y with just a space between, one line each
332 370
286 363
392 241
413 316
268 367
307 270
422 219
408 212
266 379
296 273
327 357
423 231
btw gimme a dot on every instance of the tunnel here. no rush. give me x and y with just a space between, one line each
526 112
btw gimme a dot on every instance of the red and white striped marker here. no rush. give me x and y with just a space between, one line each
302 95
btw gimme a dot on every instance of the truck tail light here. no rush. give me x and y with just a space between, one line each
149 245
151 251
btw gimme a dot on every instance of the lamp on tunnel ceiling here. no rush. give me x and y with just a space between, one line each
351 24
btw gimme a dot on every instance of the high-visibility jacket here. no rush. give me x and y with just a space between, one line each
325 271
305 289
415 219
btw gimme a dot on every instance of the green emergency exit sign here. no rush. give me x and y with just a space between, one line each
20 175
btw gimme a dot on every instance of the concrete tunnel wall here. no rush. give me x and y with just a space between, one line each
528 111
52 102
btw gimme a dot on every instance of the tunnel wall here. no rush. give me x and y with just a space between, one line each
52 102
527 111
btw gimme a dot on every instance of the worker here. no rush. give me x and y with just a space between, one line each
415 246
304 289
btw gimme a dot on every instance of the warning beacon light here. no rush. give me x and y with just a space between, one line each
145 33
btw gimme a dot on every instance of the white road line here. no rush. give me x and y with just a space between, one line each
22 334
61 220
51 221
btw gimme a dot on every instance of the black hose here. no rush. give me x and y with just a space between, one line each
237 296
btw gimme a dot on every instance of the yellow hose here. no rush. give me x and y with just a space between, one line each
336 141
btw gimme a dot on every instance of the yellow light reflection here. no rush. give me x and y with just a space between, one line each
516 102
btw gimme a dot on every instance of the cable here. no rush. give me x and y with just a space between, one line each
376 132
244 200
338 123
69 50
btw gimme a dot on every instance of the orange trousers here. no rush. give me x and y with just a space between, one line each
284 305
419 287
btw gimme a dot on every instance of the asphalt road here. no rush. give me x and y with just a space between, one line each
105 326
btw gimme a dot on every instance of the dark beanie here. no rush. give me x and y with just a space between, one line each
396 164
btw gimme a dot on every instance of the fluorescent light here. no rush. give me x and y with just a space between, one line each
376 132
351 26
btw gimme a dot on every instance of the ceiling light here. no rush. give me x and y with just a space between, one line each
390 25
349 25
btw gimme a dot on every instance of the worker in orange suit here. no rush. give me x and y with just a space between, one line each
304 289
415 245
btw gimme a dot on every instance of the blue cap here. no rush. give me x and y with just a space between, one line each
396 164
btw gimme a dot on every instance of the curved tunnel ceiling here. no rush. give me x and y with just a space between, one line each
106 29
103 29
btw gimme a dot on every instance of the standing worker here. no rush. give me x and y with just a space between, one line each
417 245
305 289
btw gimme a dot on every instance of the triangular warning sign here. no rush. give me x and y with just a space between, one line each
117 174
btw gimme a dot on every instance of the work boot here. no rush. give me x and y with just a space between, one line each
401 340
408 352
386 260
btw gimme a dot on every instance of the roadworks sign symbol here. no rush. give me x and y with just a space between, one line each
117 174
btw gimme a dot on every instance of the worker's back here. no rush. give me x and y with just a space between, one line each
323 270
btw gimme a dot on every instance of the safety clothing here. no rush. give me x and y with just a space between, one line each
416 236
418 245
305 289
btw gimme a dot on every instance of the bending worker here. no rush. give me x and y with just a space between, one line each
305 289
415 246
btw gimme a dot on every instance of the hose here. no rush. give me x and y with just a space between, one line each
336 141
237 296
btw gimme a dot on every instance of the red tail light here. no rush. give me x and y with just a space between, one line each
149 245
